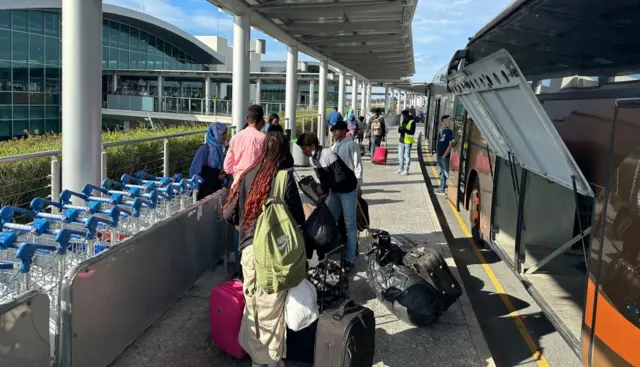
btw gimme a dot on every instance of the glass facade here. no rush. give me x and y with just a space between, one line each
129 48
30 65
29 72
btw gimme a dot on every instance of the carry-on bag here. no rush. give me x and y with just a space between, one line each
308 186
226 305
346 337
301 344
380 154
433 268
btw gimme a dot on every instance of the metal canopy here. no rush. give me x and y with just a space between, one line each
558 38
361 36
509 116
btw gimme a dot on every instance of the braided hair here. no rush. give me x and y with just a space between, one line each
274 148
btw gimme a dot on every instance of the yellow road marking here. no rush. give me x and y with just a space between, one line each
526 334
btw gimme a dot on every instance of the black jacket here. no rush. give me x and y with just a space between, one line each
333 173
234 214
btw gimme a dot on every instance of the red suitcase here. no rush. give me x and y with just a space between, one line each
226 305
380 154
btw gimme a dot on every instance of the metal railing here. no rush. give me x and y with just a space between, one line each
46 182
188 105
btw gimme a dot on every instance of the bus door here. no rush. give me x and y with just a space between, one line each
436 120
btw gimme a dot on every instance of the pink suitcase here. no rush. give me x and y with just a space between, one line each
226 304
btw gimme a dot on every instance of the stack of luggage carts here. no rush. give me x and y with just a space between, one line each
40 244
336 318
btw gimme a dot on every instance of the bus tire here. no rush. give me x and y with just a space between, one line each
474 214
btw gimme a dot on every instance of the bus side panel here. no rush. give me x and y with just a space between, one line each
585 126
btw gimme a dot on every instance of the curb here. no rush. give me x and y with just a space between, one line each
475 331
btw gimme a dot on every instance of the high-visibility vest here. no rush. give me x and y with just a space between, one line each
408 138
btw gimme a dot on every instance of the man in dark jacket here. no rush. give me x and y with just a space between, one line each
338 186
406 130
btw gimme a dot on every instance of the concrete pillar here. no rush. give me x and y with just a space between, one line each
291 89
82 93
363 98
367 104
258 91
387 99
240 90
322 102
341 87
115 83
160 93
207 95
312 92
354 94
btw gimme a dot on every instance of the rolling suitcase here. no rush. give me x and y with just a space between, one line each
346 337
226 305
380 154
433 268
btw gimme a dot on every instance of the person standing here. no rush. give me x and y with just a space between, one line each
443 150
406 129
347 149
333 117
209 159
377 132
274 124
338 186
246 147
243 208
412 112
362 127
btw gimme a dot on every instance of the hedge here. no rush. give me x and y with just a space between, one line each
22 181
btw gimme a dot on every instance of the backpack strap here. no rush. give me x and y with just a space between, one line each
280 185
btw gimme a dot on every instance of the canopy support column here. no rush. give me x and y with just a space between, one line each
291 89
240 90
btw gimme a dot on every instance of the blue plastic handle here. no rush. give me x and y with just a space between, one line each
111 184
7 213
128 179
88 189
7 239
6 266
178 177
65 196
39 204
26 251
63 237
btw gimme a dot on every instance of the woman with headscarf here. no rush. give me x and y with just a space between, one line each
209 160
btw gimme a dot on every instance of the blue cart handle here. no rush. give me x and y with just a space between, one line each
26 251
111 184
7 213
66 195
39 204
6 265
8 239
88 189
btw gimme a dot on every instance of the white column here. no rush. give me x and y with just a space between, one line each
341 92
82 93
367 105
291 89
115 83
258 91
387 100
322 102
240 89
363 97
354 94
160 93
312 92
207 95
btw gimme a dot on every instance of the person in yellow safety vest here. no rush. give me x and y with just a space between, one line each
406 129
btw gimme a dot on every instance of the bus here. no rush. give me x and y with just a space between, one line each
546 162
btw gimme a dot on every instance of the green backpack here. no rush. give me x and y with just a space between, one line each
278 244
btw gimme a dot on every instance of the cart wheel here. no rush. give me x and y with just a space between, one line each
474 215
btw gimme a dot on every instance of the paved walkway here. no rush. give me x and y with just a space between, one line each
398 204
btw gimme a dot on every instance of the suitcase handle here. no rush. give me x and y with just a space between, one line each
339 314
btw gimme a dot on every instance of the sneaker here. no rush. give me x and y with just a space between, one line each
348 267
398 172
405 173
440 191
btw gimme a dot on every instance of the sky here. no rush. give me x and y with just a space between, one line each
440 27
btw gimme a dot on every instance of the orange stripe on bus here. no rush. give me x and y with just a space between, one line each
612 328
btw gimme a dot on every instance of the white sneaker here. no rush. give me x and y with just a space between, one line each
405 173
398 171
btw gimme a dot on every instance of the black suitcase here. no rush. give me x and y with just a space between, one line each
301 344
346 337
433 268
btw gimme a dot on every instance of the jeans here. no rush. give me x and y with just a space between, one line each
443 171
346 203
404 157
375 142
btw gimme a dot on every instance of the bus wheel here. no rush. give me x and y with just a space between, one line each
474 215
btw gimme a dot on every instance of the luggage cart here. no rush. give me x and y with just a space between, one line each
186 188
166 205
130 210
108 219
149 201
12 281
